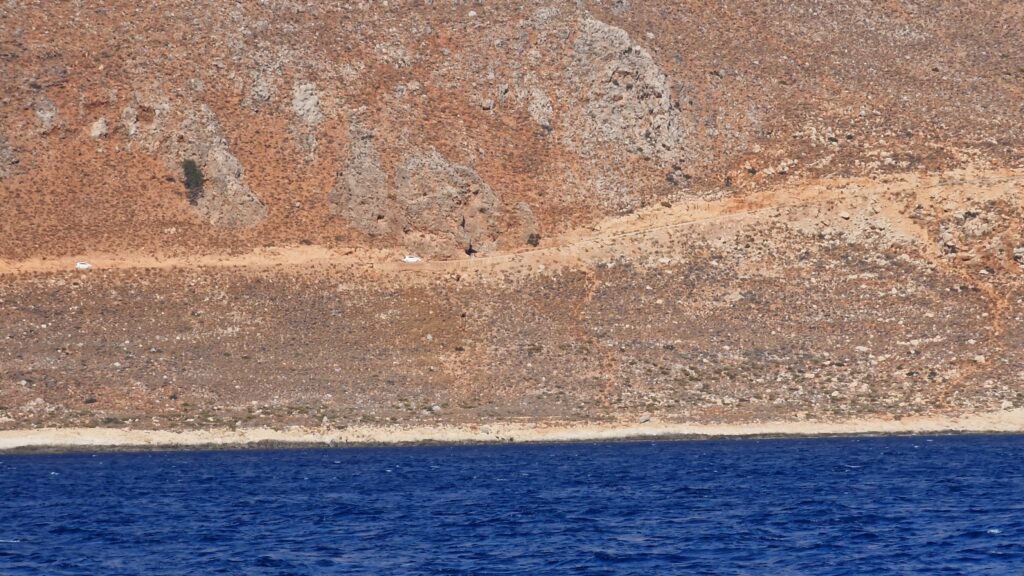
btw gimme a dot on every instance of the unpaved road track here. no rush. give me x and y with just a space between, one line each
602 239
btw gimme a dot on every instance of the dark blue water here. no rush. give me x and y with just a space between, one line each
943 505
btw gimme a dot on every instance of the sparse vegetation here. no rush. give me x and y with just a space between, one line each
834 273
194 180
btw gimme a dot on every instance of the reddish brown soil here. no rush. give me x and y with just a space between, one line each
752 211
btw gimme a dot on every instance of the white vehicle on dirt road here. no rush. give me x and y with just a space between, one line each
412 259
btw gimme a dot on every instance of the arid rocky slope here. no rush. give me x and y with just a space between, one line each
729 212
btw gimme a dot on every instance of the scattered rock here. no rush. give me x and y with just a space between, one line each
844 215
733 297
36 406
540 109
98 129
260 91
46 114
645 418
306 104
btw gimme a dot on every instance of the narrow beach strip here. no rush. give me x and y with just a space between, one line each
84 439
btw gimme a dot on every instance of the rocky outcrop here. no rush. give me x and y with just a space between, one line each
260 90
227 200
46 115
529 228
8 160
177 136
444 206
306 108
626 98
540 108
360 193
98 129
580 110
429 204
306 104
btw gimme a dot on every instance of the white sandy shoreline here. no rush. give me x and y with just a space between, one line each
72 439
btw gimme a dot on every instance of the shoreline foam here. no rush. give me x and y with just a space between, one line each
83 439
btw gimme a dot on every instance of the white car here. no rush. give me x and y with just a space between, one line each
412 259
83 266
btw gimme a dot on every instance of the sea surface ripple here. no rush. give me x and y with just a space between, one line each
917 505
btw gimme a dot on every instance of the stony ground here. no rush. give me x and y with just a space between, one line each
745 211
899 299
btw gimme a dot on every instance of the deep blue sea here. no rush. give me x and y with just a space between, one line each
918 505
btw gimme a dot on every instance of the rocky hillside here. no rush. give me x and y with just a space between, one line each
737 210
444 125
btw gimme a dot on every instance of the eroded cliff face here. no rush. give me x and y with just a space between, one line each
302 115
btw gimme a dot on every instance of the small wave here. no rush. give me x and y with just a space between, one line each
10 541
993 531
608 556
